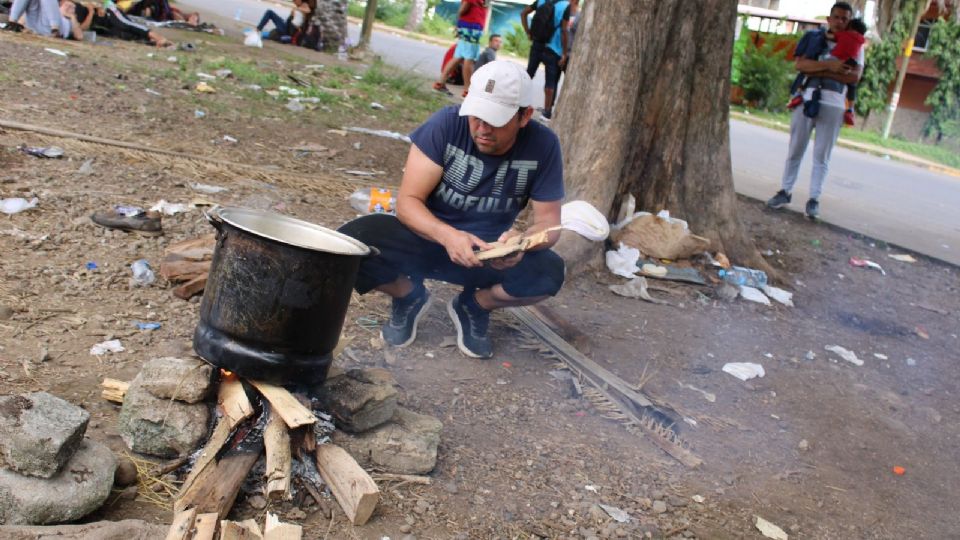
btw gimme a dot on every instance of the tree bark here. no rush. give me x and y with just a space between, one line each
367 29
645 111
331 17
417 10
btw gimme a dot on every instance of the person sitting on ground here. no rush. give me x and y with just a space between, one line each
160 11
41 17
287 30
470 20
111 22
490 53
849 45
469 172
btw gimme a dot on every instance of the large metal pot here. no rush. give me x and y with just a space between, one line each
276 297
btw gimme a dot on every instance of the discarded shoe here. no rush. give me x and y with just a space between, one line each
145 223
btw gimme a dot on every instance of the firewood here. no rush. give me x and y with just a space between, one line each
205 526
274 530
215 489
232 399
353 488
405 478
276 439
515 244
191 288
113 389
183 270
287 406
182 525
195 249
243 530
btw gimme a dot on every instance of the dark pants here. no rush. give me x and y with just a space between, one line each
278 21
540 53
404 253
115 24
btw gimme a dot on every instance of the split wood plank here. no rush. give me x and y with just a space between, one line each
240 530
195 249
285 404
236 407
217 486
114 390
276 439
629 401
205 526
353 488
191 288
562 327
182 269
274 530
182 525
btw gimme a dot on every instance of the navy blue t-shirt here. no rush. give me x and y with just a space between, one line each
480 193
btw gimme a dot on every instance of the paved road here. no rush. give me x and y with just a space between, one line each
898 203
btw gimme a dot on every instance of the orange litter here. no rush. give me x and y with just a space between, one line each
898 470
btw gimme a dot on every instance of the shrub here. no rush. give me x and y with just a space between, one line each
516 41
434 25
765 76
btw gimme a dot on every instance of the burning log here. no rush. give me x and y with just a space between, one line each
353 488
113 390
287 406
277 441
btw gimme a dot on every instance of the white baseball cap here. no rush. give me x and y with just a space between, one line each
497 91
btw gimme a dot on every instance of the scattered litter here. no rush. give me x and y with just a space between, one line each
254 87
690 421
127 210
770 530
314 66
206 76
754 295
698 499
377 132
223 73
780 295
659 236
711 397
768 355
922 332
803 444
91 265
289 90
30 84
880 356
205 88
360 173
17 204
592 488
744 370
148 325
187 47
377 106
582 218
294 105
207 188
171 59
142 274
902 258
57 52
229 139
199 114
357 77
357 146
636 288
899 471
653 270
617 514
847 355
111 345
49 152
739 275
854 261
153 92
168 208
623 261
810 355
911 362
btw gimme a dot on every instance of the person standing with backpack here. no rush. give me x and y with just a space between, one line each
550 44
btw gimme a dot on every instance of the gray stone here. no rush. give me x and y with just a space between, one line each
78 489
6 312
360 399
405 445
182 379
161 427
659 507
128 529
39 432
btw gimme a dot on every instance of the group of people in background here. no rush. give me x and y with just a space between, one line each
71 19
298 28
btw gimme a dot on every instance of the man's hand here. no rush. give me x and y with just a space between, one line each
836 66
563 61
461 245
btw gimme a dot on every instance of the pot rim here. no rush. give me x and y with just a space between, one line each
337 243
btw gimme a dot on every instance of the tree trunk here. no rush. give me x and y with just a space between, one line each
367 29
645 111
417 9
331 17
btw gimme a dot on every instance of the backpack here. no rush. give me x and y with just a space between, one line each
543 27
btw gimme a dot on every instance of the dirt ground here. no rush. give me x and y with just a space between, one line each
811 446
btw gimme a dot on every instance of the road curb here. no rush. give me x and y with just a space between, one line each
878 151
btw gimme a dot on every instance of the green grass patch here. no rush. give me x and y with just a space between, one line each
245 72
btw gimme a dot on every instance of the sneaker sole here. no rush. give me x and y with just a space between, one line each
456 323
416 323
777 206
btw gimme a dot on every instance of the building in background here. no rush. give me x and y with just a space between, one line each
502 18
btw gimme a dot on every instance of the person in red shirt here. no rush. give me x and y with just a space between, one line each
471 19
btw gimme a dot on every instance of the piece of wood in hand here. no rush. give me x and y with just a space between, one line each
182 525
276 439
113 389
274 530
353 488
244 530
191 288
287 406
205 526
513 245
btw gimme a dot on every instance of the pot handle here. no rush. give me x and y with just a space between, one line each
374 252
213 217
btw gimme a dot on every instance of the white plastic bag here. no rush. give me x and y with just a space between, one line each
582 218
17 204
251 38
623 262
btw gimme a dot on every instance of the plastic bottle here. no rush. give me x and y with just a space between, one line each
373 201
738 275
342 53
142 274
